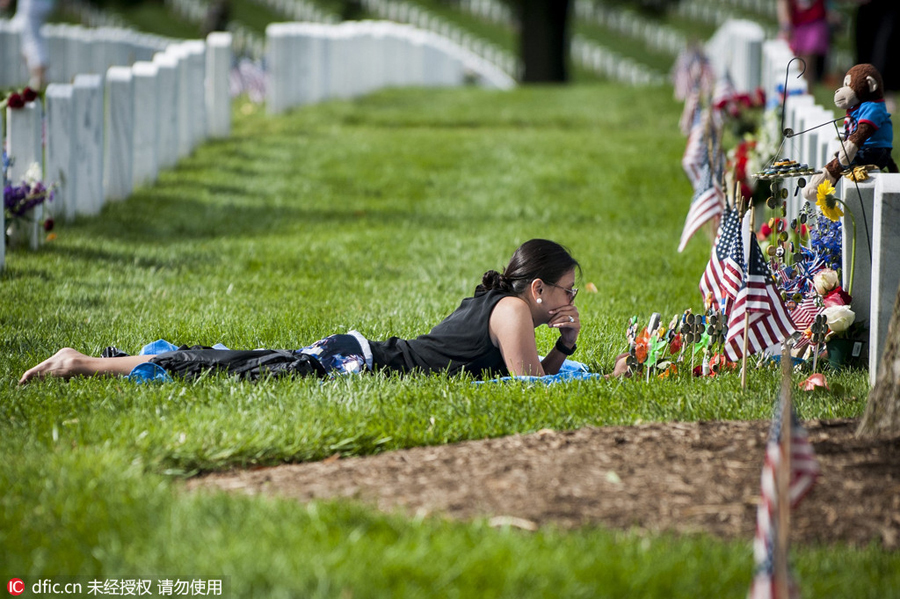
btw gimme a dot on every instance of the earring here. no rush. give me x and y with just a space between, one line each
540 301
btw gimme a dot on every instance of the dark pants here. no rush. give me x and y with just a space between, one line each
880 157
251 364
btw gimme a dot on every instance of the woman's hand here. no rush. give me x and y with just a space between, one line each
566 319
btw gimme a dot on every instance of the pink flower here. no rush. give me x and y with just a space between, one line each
816 380
836 297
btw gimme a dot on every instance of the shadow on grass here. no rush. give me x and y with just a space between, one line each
168 221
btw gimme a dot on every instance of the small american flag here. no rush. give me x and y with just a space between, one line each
803 474
769 322
725 269
690 112
803 316
696 148
805 312
691 71
706 203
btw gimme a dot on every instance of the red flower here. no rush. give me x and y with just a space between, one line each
676 344
15 101
836 297
48 225
29 95
759 97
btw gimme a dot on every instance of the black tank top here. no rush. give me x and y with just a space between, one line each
462 341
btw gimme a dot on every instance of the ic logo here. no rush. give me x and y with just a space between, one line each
15 586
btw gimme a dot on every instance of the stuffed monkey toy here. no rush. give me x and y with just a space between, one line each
868 132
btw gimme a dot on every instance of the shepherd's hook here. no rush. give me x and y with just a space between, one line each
787 71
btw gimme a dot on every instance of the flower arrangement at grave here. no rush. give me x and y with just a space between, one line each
16 100
742 112
743 160
20 200
802 254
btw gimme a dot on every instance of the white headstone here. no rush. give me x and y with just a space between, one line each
318 50
119 149
23 145
185 104
80 58
60 168
218 74
197 90
885 266
416 58
87 96
146 123
860 202
167 136
278 59
13 72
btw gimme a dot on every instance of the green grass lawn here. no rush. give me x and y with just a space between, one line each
378 214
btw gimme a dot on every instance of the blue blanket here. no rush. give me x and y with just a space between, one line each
569 371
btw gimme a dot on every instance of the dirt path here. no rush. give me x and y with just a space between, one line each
685 477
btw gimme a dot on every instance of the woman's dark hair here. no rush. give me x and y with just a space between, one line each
534 259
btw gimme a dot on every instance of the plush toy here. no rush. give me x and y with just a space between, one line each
868 132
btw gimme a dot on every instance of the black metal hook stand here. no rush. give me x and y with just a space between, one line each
787 71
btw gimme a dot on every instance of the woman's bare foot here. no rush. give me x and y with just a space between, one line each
65 363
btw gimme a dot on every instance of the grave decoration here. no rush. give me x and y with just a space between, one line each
868 131
741 111
16 100
787 286
20 200
694 341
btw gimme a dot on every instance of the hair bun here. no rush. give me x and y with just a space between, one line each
491 280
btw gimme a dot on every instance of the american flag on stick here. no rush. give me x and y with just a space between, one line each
757 305
691 111
697 149
708 196
803 471
725 269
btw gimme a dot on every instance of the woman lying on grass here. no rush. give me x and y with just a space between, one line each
490 334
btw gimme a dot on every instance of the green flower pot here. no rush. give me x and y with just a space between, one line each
839 352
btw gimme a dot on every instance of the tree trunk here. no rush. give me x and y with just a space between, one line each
544 40
882 416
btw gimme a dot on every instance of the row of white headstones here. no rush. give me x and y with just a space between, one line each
312 62
113 128
122 105
741 49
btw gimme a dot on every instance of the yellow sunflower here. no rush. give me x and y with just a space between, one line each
827 202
